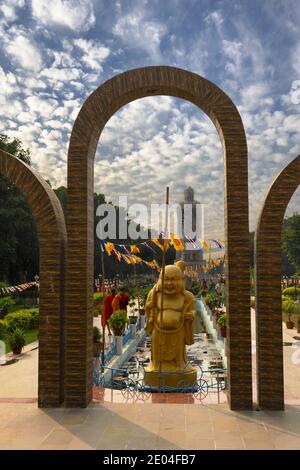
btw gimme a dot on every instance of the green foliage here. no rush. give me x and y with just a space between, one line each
196 289
16 338
291 239
288 307
143 294
6 303
222 320
98 296
34 320
18 236
20 319
291 292
96 334
213 300
3 328
118 321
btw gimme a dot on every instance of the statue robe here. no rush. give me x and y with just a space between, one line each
171 331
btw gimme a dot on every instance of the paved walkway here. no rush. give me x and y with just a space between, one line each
147 426
112 422
20 380
291 358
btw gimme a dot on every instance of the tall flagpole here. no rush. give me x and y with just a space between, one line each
163 265
103 299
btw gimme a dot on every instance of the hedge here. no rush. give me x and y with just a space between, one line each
3 329
25 319
291 292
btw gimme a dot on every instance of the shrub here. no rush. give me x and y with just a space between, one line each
34 321
291 292
20 319
6 302
3 328
16 339
96 334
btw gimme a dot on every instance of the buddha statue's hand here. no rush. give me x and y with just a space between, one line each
189 315
149 327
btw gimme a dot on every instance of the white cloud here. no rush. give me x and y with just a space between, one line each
8 85
137 32
24 53
8 9
77 15
93 53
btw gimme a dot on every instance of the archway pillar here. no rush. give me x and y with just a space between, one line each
268 249
47 212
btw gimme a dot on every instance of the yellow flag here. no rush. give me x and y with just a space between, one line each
109 248
177 243
205 245
134 249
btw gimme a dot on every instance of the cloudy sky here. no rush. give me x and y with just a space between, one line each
55 53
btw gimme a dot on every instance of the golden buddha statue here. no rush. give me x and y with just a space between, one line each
171 328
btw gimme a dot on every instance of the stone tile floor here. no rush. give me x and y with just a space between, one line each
147 426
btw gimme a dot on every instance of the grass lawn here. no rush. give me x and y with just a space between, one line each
30 336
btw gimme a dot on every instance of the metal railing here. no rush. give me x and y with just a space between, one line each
131 382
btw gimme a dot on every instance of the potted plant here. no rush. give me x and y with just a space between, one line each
97 341
222 322
17 340
117 324
289 307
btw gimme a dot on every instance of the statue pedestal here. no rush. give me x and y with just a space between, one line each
179 379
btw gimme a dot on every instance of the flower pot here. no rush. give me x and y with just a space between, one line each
142 311
132 319
119 344
290 324
223 331
118 331
17 350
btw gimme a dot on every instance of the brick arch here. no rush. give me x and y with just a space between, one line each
270 384
94 114
51 228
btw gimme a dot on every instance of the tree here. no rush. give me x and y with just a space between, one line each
291 240
18 236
